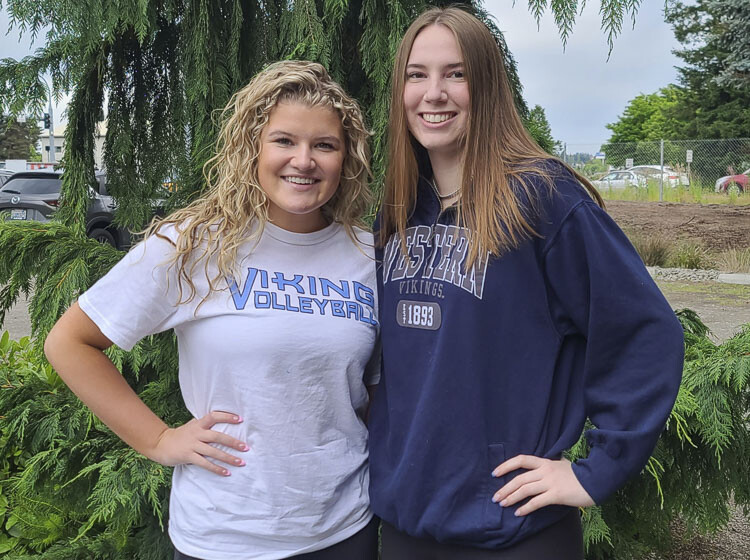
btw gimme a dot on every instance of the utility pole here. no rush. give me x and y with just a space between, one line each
661 175
51 130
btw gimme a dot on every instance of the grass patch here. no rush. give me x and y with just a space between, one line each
734 260
654 250
693 194
689 254
736 295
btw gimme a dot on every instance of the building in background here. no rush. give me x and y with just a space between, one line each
101 132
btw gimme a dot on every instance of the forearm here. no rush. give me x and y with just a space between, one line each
77 356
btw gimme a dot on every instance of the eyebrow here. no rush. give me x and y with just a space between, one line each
447 66
279 132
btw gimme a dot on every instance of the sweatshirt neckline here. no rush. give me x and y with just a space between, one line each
293 238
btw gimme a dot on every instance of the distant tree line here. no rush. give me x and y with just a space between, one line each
712 97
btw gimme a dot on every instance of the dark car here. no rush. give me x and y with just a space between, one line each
34 195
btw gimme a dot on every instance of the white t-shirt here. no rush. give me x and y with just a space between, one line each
289 347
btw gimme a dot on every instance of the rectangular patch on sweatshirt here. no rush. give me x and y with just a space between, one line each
418 315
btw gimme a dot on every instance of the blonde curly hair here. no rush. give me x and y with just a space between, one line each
213 227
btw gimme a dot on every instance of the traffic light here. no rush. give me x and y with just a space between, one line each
47 121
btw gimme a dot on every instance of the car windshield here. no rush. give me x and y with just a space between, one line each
33 185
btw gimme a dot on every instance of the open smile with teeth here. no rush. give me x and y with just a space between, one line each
300 180
437 117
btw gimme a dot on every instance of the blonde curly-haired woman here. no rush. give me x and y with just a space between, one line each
269 283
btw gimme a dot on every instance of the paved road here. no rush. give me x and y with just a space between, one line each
17 321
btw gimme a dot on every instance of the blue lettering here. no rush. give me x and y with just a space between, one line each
321 303
264 303
353 308
304 305
363 294
264 279
282 283
311 282
274 303
337 308
370 319
326 286
289 306
240 299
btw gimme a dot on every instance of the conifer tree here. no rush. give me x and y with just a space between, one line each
18 139
69 489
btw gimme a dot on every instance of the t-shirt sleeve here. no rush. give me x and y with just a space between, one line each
600 289
137 297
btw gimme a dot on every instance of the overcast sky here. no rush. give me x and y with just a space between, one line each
580 90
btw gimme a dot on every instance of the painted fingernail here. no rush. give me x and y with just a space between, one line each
239 462
504 503
244 447
238 418
227 473
494 473
494 499
517 514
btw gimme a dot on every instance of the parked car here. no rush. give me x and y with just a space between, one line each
671 176
620 180
34 195
741 182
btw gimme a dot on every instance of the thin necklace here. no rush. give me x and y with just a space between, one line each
444 196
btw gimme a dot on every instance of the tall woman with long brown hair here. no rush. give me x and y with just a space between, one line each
512 309
269 285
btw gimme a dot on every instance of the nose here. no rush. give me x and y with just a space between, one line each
435 91
303 158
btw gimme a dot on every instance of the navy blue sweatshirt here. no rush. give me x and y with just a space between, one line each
510 358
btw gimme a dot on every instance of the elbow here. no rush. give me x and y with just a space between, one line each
52 343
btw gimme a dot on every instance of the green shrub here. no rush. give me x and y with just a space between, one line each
654 250
71 489
699 463
76 492
688 254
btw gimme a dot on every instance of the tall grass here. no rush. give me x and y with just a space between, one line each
689 254
654 250
734 260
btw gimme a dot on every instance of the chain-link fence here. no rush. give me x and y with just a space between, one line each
698 163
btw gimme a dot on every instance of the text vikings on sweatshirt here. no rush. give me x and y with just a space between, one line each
511 357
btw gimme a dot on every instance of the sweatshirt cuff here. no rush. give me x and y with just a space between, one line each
600 474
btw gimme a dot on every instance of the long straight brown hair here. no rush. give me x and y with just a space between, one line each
497 148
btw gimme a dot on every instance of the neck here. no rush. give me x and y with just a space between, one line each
446 171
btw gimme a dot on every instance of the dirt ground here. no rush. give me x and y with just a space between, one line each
719 226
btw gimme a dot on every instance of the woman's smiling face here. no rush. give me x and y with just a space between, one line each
436 94
299 167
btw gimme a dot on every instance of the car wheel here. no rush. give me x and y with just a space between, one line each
733 188
103 236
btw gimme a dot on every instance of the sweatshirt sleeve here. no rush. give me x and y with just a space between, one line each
600 290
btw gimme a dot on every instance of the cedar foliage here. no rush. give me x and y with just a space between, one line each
699 463
69 488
